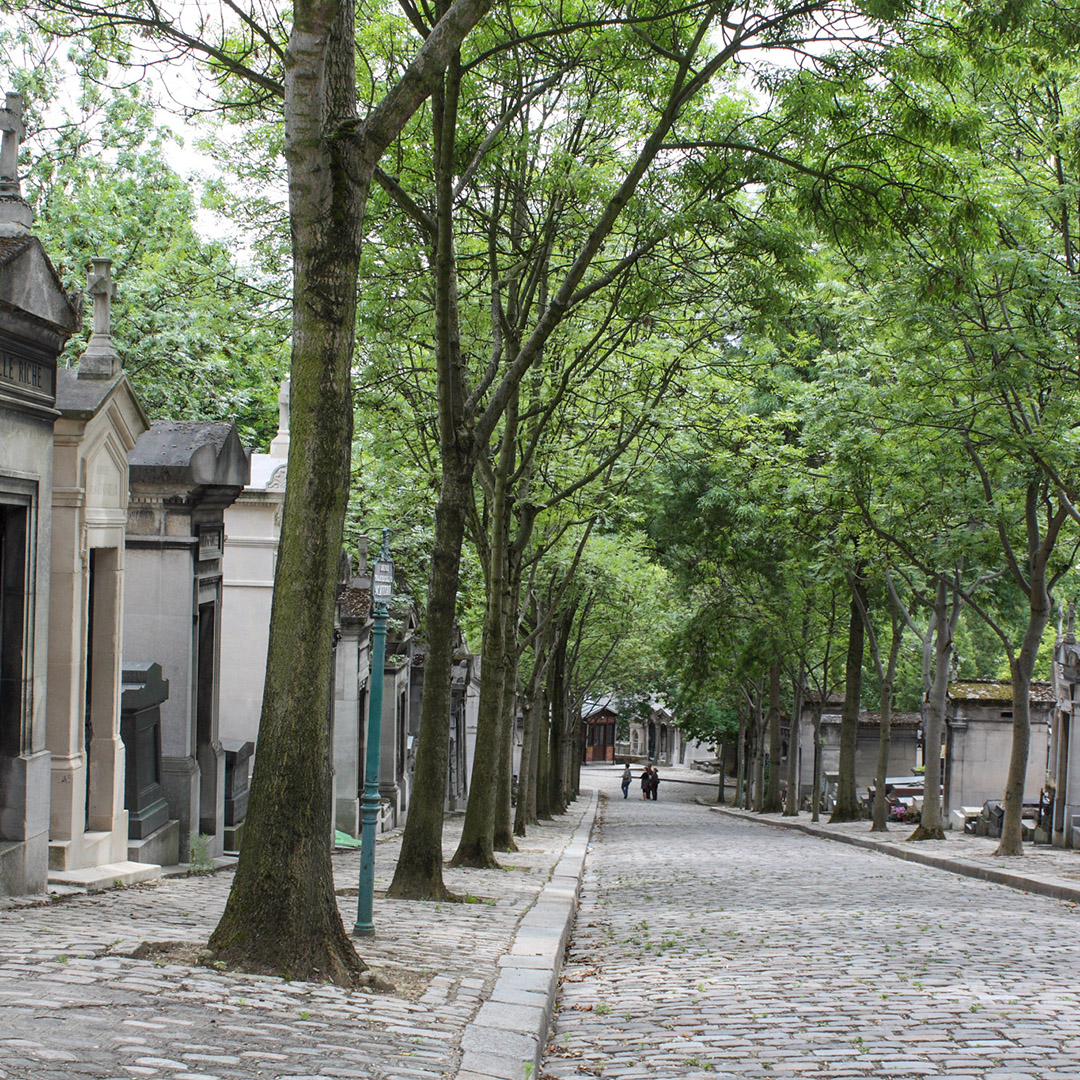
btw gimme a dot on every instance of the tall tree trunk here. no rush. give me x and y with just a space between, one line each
505 823
847 802
418 874
740 759
504 832
526 792
815 797
1023 666
881 805
282 914
759 751
476 847
545 770
791 807
944 626
773 803
720 785
559 757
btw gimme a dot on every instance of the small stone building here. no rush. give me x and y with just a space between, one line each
352 674
100 420
252 531
36 319
978 743
906 748
183 474
598 727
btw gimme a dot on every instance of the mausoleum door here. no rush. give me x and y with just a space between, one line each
13 589
88 711
100 717
204 719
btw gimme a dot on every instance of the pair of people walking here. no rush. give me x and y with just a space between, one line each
650 781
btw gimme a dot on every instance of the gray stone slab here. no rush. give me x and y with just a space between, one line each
527 1019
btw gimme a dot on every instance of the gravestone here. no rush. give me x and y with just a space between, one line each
237 790
153 836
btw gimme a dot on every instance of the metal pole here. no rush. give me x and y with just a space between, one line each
369 806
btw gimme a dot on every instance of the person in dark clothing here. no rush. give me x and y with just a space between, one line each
654 783
626 778
646 782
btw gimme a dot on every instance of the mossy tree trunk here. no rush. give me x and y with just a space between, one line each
939 638
773 803
282 914
740 758
1022 666
791 806
503 838
543 756
847 802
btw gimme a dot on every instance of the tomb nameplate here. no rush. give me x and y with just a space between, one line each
209 544
24 373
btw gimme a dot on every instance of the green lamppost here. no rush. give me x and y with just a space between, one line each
382 588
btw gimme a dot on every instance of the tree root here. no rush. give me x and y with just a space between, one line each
922 833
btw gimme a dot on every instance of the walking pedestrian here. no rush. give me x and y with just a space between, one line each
626 778
646 782
654 783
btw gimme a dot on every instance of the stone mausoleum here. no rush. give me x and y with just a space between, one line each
100 420
36 319
183 476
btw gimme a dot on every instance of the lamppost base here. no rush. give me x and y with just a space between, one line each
364 930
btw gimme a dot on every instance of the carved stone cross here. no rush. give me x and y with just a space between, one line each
11 125
100 359
15 215
100 285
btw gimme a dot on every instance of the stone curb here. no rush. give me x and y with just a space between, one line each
1053 889
507 1037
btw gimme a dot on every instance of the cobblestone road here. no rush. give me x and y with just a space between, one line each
73 1005
707 947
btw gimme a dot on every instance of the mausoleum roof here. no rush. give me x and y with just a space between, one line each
195 451
30 284
996 690
82 398
263 469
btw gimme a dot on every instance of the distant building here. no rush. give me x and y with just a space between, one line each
978 741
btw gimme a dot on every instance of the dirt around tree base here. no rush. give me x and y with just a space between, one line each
927 834
197 954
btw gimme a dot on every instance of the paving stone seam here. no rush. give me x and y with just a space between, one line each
506 1038
1052 889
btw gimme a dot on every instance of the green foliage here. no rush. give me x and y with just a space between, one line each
200 339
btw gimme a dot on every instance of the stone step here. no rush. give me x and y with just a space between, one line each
106 876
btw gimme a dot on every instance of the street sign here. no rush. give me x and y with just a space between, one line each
382 582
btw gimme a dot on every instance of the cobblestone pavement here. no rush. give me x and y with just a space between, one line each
73 1005
710 947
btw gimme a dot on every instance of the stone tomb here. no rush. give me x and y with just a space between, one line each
183 476
352 670
252 528
100 420
153 836
36 319
979 719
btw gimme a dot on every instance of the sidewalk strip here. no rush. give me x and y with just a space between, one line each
506 1038
1056 890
